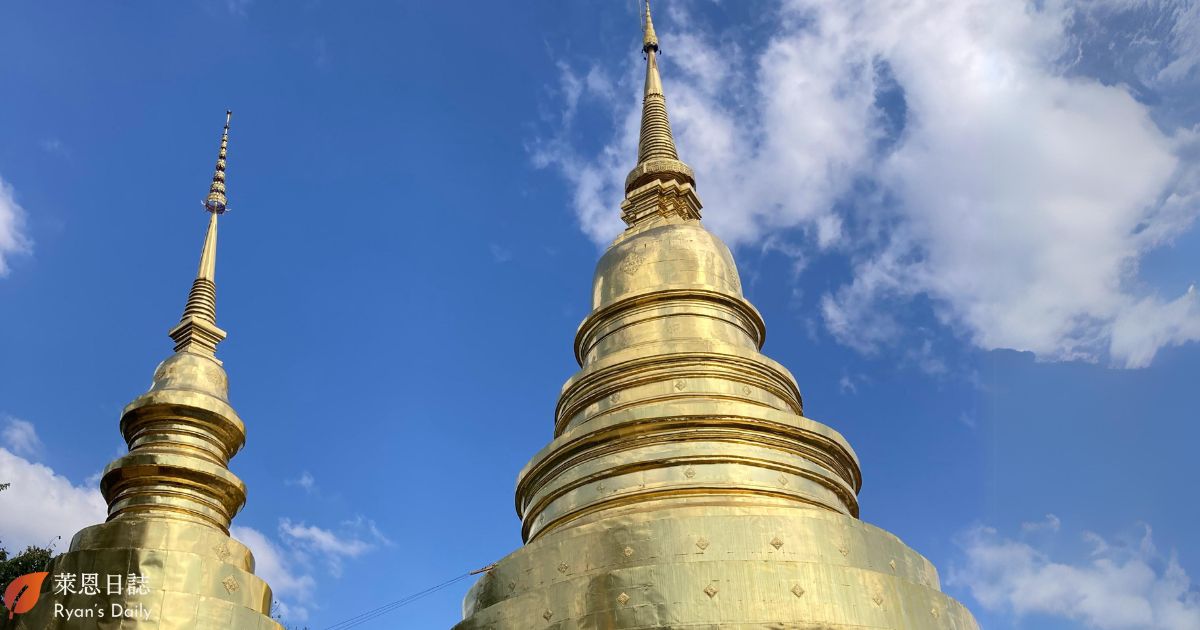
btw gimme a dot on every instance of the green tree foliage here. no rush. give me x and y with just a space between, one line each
32 560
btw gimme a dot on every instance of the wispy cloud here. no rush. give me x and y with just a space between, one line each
305 481
1119 586
290 582
13 239
951 151
330 546
20 436
850 382
500 254
238 7
321 54
1050 523
289 560
54 146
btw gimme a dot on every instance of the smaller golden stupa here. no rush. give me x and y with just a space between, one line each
164 558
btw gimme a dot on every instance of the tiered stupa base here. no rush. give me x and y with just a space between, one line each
197 578
715 567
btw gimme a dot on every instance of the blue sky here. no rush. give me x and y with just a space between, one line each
969 226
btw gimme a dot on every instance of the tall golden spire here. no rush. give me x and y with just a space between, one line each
684 488
656 141
197 330
172 498
660 186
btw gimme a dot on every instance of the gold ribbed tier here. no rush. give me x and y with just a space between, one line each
684 488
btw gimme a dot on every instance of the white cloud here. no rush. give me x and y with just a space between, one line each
593 179
1051 523
1014 193
323 540
1025 197
1184 42
20 437
42 506
1119 587
1150 324
288 562
355 538
13 239
305 481
366 528
289 582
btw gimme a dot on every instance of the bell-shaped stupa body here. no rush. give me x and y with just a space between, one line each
684 488
164 558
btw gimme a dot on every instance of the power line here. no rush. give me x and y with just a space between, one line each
362 618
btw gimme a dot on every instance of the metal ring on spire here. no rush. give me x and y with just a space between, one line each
649 39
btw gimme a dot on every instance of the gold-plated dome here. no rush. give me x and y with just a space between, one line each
682 254
684 488
171 499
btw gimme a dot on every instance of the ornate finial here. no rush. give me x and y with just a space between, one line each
656 147
649 39
197 331
215 202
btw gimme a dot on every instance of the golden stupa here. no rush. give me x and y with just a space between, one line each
684 488
164 558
